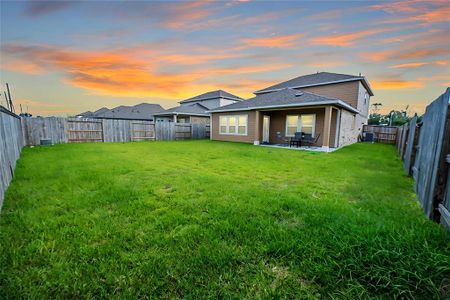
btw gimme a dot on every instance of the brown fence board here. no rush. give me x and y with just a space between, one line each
382 134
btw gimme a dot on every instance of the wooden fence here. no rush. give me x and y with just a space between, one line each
382 134
424 147
79 130
11 143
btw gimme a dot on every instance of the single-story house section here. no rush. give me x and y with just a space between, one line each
332 107
143 111
192 113
195 109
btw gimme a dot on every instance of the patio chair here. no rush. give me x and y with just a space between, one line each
309 140
296 140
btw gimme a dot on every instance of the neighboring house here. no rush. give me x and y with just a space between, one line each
195 109
143 111
330 106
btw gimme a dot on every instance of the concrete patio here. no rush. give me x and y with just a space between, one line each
304 148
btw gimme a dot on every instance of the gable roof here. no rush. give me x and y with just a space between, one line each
192 109
213 95
321 78
286 97
143 111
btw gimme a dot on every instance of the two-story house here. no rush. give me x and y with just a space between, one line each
195 109
332 107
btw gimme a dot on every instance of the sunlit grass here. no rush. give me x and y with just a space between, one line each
201 219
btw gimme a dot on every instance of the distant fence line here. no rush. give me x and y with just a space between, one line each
77 130
382 134
11 144
425 149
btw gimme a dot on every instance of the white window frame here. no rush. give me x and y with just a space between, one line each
236 124
299 124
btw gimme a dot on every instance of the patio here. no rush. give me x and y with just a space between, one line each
304 148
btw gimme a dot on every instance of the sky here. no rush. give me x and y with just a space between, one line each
63 57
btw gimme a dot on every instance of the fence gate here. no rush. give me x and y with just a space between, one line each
142 131
183 131
82 131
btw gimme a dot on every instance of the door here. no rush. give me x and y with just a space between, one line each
266 129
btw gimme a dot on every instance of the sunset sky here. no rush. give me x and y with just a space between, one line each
62 58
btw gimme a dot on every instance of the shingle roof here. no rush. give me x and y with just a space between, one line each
320 78
213 95
193 109
143 111
286 97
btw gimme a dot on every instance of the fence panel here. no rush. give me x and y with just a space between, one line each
35 129
444 208
183 131
410 145
382 134
11 143
429 154
165 131
84 130
402 148
142 131
115 130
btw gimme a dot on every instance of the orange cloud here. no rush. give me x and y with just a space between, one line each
127 73
22 67
345 40
395 84
418 64
405 54
245 69
284 41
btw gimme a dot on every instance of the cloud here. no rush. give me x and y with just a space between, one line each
405 54
41 8
347 39
21 66
425 12
128 73
395 84
182 14
419 64
283 41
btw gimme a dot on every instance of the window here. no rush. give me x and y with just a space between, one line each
291 125
223 124
300 123
233 125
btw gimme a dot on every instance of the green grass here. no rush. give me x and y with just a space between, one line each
201 219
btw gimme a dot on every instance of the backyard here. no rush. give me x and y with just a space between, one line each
202 219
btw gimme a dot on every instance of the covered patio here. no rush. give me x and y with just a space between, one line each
277 127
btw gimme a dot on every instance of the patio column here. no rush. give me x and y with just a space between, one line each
257 138
175 118
327 128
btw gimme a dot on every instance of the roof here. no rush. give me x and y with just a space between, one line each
321 78
143 111
192 109
213 95
287 97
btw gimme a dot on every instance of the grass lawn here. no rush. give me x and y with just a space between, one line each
201 219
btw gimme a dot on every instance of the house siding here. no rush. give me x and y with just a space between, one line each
251 126
345 91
